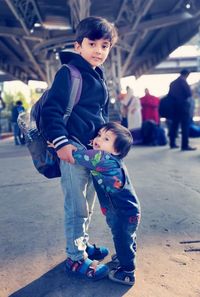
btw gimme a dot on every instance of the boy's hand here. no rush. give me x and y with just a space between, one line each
65 153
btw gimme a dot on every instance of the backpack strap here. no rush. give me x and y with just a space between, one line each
76 88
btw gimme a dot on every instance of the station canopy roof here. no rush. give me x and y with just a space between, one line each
33 31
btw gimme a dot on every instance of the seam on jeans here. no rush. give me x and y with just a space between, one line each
70 170
72 200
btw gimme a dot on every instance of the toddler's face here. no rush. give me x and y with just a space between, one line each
94 52
105 141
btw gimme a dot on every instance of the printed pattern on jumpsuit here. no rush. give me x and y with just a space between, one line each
111 180
106 171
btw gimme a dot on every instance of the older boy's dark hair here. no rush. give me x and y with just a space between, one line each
124 139
95 28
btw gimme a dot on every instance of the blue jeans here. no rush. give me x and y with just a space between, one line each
123 229
184 120
122 221
18 136
79 198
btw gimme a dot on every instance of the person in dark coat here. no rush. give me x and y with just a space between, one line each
2 106
180 91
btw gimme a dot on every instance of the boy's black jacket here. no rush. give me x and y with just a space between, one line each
90 112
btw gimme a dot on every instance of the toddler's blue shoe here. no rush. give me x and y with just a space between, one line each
96 253
121 276
88 268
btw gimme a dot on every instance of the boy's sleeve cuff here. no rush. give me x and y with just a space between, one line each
60 142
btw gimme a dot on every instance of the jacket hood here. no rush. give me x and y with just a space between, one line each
77 60
66 57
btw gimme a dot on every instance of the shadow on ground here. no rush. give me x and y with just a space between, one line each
58 282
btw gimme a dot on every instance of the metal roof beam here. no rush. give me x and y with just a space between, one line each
124 46
16 59
10 50
84 9
26 12
169 45
79 10
14 70
33 60
183 62
130 13
158 23
54 43
143 10
122 9
164 51
19 33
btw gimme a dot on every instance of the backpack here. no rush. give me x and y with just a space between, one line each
194 130
166 107
149 132
161 136
153 134
45 158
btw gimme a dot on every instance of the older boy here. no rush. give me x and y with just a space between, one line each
94 38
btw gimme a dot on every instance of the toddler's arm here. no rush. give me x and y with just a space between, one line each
95 160
104 168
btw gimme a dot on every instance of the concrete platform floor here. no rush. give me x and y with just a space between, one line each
32 249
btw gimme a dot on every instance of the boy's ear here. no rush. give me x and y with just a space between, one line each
77 47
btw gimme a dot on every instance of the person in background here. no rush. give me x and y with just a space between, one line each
2 106
132 108
123 110
2 103
181 93
150 105
18 135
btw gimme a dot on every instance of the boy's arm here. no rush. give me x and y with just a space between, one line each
54 108
65 153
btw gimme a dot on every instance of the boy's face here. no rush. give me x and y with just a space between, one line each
105 141
94 52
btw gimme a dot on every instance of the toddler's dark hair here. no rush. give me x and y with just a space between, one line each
124 139
95 28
